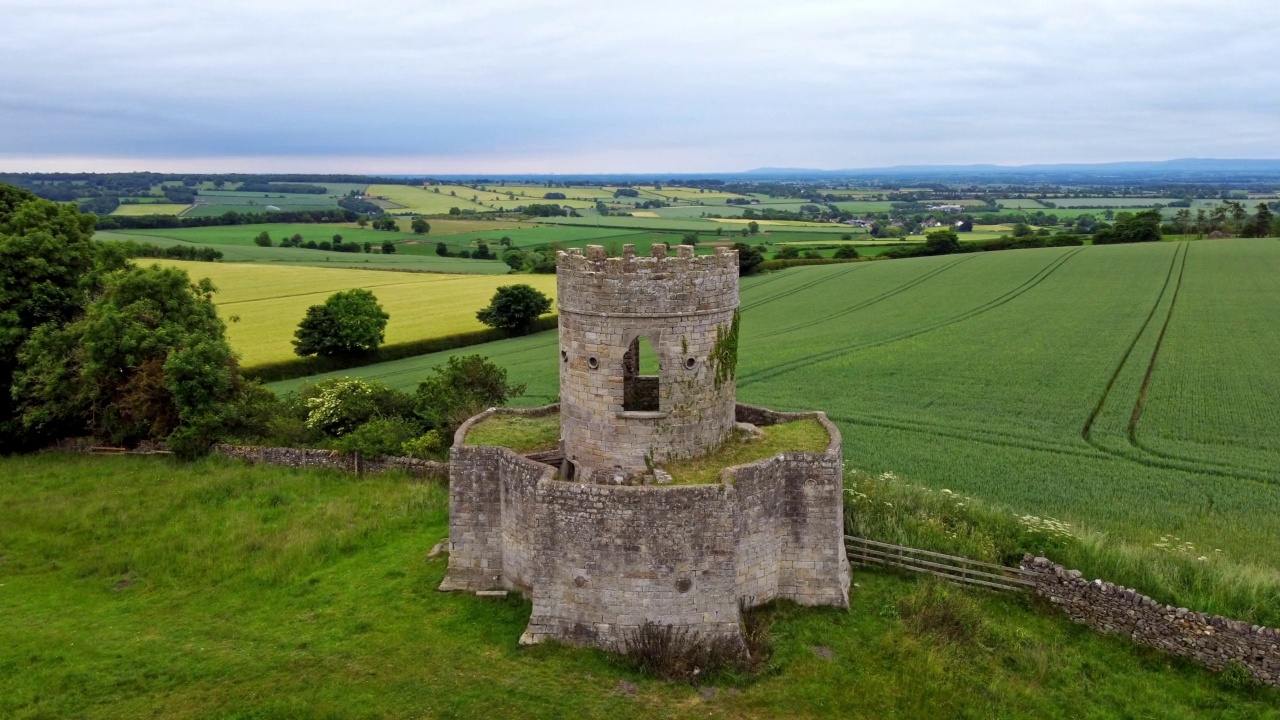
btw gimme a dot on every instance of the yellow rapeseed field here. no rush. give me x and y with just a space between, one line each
262 305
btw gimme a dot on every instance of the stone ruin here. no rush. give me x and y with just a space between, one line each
594 533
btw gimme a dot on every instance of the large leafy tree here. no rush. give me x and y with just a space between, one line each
348 323
46 268
514 308
941 242
148 359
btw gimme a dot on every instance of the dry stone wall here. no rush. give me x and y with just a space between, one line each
330 459
1209 639
679 304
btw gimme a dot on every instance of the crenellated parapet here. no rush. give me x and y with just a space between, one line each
658 285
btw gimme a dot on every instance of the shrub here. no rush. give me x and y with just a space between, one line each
429 446
462 387
749 258
787 252
348 323
378 437
339 405
846 252
514 259
675 653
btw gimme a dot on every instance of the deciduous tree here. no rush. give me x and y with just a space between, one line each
514 308
348 323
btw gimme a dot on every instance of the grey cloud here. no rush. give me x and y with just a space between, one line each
695 86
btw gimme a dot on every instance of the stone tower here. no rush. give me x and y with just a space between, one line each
614 420
591 531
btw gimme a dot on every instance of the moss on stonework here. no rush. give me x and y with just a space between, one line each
521 433
724 354
804 435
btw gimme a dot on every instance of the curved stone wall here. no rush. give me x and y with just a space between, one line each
599 561
679 304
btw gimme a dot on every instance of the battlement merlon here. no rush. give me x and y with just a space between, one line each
592 283
595 259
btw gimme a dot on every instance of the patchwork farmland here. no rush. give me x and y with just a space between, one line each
992 375
262 305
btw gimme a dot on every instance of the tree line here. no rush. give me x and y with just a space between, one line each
233 217
92 344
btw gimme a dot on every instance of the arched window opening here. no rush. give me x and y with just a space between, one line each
640 370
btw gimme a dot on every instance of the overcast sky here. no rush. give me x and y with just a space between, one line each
481 86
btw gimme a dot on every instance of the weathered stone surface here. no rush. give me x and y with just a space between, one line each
331 459
679 304
600 560
1211 640
612 543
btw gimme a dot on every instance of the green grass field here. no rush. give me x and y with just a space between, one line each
1020 204
866 206
300 257
693 224
137 587
416 199
1015 376
1105 202
270 301
151 209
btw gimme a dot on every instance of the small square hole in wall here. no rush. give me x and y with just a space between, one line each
564 356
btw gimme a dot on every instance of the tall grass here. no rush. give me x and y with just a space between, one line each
886 508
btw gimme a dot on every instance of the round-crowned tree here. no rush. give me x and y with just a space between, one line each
348 323
514 308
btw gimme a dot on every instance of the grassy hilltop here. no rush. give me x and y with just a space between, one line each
135 587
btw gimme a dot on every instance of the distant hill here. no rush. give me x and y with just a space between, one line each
1184 167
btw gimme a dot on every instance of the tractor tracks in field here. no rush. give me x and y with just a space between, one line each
1087 431
995 438
799 288
1155 354
1135 451
1007 297
873 300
